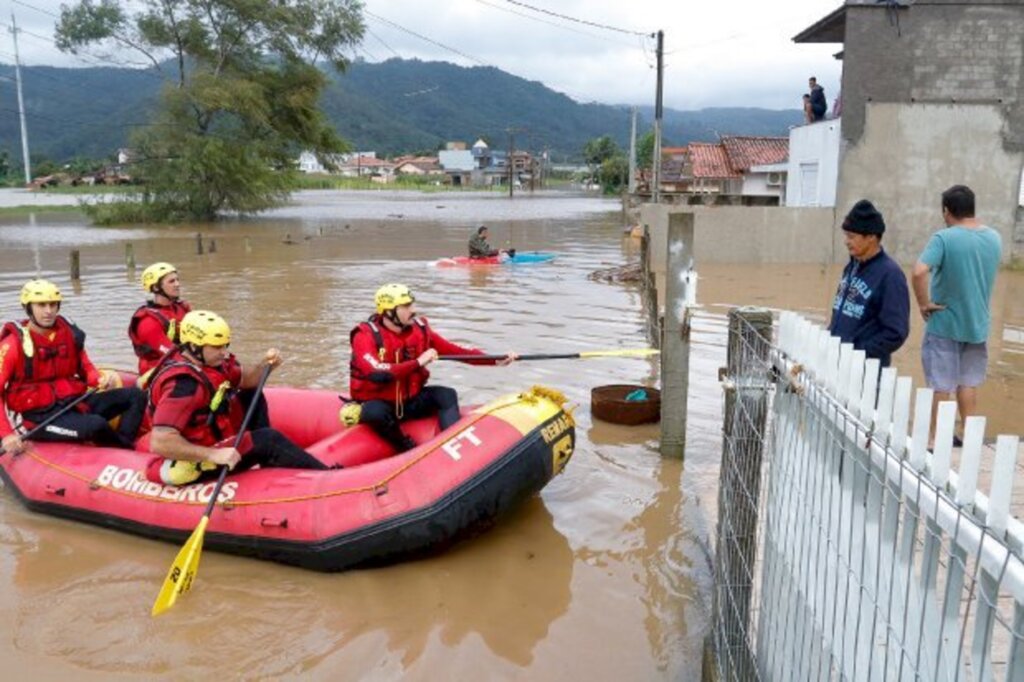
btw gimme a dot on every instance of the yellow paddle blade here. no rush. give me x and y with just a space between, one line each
629 352
183 570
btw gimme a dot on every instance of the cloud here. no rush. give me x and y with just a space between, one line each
725 53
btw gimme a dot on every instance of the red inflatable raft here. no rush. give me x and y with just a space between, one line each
379 509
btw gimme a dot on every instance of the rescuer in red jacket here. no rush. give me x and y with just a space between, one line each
197 404
44 366
154 326
390 354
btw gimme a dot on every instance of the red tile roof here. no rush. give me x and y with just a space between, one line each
747 151
710 161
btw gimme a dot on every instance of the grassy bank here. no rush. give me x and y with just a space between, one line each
15 211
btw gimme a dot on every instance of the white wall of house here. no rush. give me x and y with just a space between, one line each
308 163
813 168
456 160
768 180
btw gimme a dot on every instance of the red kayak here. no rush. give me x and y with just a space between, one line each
521 258
380 508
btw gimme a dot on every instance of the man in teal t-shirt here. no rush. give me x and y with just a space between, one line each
961 261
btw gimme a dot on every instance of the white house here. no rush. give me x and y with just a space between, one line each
813 168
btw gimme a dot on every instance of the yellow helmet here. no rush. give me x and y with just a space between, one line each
203 328
40 291
152 275
390 296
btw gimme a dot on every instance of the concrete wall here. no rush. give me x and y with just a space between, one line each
942 51
815 143
935 101
748 234
909 153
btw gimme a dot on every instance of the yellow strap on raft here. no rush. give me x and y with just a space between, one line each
533 395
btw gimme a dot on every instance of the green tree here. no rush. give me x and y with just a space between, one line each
614 173
598 150
645 150
240 100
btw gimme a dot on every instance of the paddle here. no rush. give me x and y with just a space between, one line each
49 420
628 353
183 571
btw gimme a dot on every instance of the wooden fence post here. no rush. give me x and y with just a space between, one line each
129 256
75 262
199 243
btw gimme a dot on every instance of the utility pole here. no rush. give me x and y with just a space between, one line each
656 171
632 155
509 162
21 103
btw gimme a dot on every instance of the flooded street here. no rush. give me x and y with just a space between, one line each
605 576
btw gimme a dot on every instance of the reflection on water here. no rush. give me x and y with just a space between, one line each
603 577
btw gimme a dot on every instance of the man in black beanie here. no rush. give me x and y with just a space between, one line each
871 309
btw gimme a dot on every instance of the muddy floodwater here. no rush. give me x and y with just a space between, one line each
604 576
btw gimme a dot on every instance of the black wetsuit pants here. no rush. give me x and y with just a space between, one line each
380 415
270 448
93 424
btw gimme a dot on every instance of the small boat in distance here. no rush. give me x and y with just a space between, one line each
521 258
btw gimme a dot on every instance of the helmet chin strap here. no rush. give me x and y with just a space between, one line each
160 290
392 316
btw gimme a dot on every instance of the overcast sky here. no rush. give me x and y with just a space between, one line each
718 53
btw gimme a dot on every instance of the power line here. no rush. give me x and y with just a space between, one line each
556 25
423 37
381 41
579 21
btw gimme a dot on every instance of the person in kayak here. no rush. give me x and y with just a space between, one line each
153 329
197 401
44 367
390 355
479 247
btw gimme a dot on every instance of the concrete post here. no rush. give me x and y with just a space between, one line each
675 335
746 411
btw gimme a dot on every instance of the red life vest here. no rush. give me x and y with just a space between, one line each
391 348
208 424
168 317
52 372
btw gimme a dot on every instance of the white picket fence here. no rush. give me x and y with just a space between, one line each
876 558
880 560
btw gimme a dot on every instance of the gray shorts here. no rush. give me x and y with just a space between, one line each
950 364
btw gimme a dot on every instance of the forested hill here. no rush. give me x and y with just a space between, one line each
392 107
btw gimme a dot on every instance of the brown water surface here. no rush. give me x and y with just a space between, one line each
604 576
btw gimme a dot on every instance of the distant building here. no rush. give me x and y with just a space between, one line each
309 162
418 165
458 165
738 170
932 96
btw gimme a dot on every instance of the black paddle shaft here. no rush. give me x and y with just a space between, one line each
53 417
